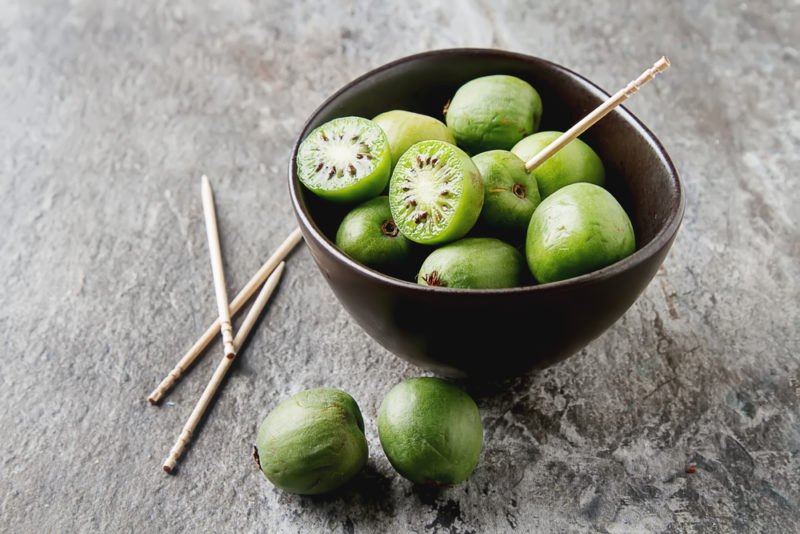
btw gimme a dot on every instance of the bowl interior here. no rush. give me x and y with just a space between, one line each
425 83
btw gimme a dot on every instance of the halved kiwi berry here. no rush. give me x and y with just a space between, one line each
345 160
435 193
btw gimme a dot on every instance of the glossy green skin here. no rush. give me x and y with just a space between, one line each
363 236
465 191
404 128
473 263
510 192
312 442
493 112
578 229
574 163
431 431
372 176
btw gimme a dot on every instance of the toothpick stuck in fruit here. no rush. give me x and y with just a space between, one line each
598 113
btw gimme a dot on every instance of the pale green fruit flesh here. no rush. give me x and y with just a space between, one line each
473 263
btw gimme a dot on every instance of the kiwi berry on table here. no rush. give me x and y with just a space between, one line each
479 208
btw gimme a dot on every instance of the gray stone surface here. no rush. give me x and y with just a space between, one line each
110 111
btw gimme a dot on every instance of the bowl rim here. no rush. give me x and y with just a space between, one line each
639 256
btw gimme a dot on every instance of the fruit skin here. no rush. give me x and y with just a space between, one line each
493 112
405 128
576 230
473 263
312 442
343 189
431 431
510 192
574 163
369 235
468 185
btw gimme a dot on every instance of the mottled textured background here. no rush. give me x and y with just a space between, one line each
111 110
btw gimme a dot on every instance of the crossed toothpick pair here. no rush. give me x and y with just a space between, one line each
272 268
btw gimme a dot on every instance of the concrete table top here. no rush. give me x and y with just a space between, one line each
111 110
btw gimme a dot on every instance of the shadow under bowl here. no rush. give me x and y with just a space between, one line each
497 333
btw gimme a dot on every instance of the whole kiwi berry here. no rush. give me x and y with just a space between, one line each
574 163
576 230
369 235
493 113
312 442
473 263
431 431
345 160
510 193
435 193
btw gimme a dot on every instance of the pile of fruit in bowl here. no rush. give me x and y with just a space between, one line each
411 190
460 193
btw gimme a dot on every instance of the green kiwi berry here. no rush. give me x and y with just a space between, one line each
576 230
493 113
369 235
473 263
510 192
574 163
312 442
404 128
345 160
431 431
436 193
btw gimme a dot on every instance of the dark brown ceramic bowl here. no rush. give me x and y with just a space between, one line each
497 333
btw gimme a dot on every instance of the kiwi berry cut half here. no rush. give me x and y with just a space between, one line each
435 193
345 160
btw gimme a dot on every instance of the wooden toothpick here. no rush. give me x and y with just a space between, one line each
236 304
222 369
215 253
599 112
